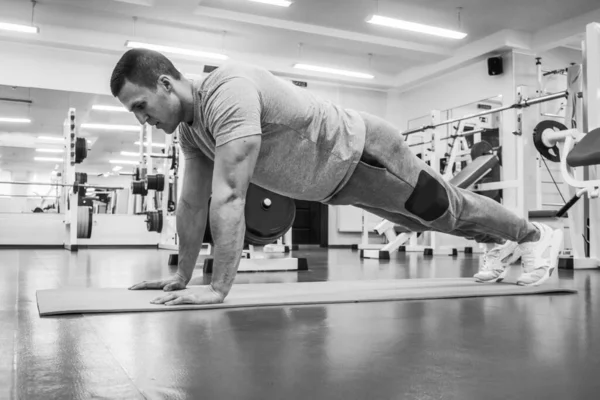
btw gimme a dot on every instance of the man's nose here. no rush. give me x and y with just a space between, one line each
142 118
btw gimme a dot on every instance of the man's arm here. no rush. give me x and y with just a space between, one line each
234 166
192 212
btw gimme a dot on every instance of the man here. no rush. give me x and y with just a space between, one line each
243 124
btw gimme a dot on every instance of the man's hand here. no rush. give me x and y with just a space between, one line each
199 295
176 282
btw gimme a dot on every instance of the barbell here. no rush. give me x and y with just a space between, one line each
75 186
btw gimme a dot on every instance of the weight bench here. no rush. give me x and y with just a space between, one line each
397 235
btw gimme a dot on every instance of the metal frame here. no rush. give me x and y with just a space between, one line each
521 104
591 120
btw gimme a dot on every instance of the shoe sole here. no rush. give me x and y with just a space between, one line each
555 242
499 279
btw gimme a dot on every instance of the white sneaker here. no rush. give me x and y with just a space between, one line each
496 261
539 259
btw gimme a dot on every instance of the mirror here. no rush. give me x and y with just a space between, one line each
32 149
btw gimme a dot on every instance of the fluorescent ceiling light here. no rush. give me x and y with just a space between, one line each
153 144
53 138
280 3
129 162
101 107
175 50
333 71
19 28
16 120
108 127
49 150
117 168
130 154
414 27
48 159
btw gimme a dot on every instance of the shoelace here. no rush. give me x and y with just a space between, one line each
530 262
492 255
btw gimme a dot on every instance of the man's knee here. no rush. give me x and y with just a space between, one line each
429 199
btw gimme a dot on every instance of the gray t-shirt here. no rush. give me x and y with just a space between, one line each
309 146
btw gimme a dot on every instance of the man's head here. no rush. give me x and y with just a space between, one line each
147 84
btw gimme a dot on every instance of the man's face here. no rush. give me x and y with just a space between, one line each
159 108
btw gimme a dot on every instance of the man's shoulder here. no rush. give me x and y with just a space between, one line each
231 70
234 66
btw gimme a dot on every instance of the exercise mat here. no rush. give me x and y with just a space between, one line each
112 300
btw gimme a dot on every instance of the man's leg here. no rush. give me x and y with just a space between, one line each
391 178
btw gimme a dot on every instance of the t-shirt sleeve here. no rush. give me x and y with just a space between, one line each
188 148
233 111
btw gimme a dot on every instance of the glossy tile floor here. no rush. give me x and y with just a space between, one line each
527 347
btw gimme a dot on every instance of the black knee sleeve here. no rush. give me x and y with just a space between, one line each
429 199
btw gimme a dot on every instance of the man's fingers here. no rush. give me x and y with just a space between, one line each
188 299
178 300
148 285
164 299
139 286
173 286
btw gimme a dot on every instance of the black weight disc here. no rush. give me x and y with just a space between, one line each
549 153
152 182
156 182
139 187
81 178
268 216
154 221
80 150
480 149
160 182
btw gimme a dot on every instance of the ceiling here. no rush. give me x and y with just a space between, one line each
332 33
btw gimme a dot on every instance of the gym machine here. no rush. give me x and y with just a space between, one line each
485 160
578 154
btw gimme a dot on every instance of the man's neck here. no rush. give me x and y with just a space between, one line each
187 101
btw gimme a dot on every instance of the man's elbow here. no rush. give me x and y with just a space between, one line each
228 198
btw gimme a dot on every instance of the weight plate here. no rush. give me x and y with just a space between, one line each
173 155
160 184
549 153
80 150
84 222
481 148
268 216
81 178
152 182
139 187
154 221
156 182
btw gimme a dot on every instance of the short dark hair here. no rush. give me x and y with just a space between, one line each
142 67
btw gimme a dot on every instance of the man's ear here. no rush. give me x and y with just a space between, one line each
166 82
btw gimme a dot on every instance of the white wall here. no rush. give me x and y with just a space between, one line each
464 86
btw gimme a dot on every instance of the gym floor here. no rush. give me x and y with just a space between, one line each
521 347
